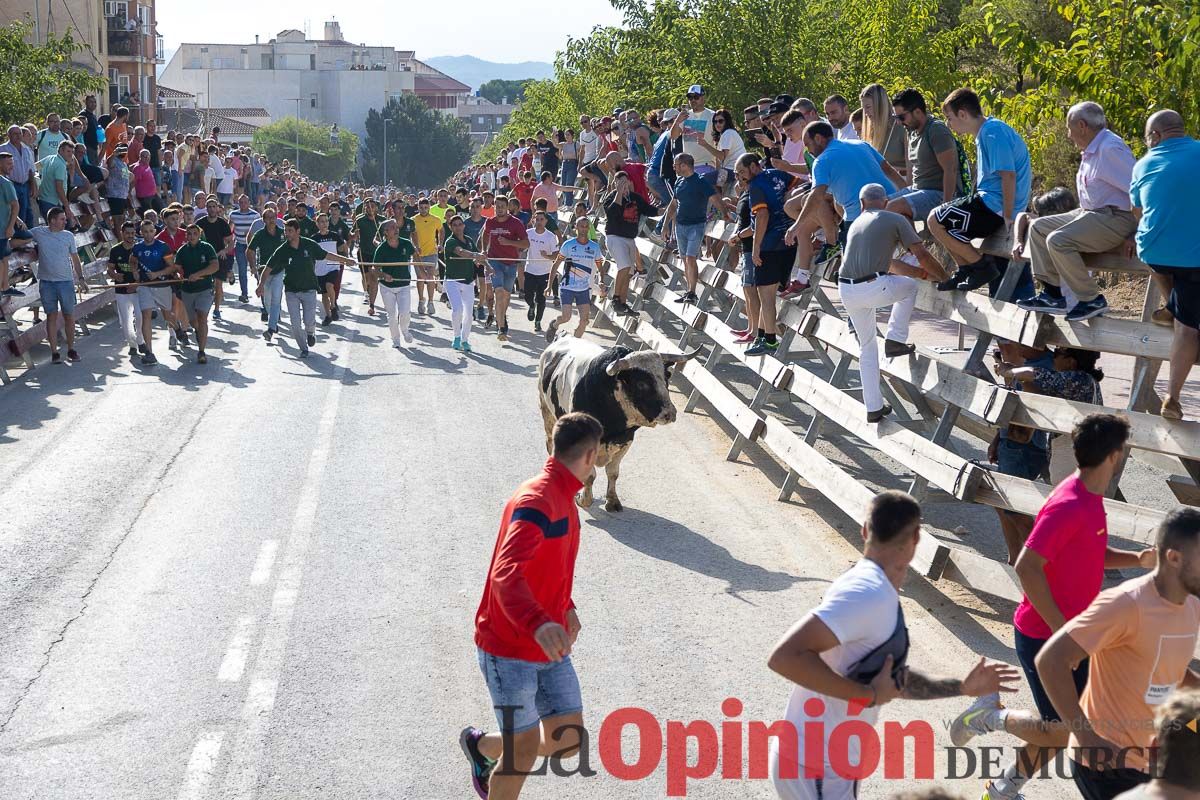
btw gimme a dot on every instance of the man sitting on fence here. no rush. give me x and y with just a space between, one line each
870 277
1102 222
1162 190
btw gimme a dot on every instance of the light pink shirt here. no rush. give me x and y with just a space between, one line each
793 151
1105 172
541 190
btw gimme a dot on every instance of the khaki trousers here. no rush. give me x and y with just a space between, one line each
1057 244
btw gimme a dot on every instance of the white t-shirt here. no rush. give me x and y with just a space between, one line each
860 608
846 133
701 122
731 140
326 266
228 176
589 141
537 264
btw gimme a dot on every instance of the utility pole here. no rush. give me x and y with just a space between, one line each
297 162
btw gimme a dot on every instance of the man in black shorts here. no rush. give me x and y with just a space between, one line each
218 233
772 256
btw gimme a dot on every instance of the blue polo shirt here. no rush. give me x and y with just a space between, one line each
692 194
769 190
1164 188
1000 148
846 167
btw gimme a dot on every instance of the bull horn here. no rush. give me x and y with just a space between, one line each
670 359
616 366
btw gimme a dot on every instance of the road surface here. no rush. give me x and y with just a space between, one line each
257 579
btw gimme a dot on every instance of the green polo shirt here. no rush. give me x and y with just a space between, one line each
367 229
386 254
459 268
51 170
307 227
265 244
298 265
193 258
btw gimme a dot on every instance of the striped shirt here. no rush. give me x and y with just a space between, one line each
243 222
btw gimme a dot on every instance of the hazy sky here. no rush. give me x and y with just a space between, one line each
489 29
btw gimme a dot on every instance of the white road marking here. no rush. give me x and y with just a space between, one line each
234 662
266 559
200 765
245 757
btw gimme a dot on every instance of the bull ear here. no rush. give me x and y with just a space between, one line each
616 366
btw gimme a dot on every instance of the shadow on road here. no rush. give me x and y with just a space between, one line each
670 541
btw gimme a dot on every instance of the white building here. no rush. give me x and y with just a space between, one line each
325 81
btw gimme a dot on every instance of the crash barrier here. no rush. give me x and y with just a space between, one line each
812 371
93 242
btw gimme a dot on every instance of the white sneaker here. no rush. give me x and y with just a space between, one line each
408 338
396 344
972 722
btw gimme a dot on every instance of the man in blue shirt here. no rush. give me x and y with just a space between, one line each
1163 186
840 171
771 255
1001 191
688 211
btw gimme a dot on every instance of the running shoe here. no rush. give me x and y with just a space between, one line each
12 291
792 289
73 354
491 320
827 253
133 352
263 316
312 339
763 348
325 323
1044 304
745 337
530 313
216 313
336 316
56 357
976 720
466 347
408 338
537 327
551 329
481 765
503 334
990 792
149 360
740 332
304 353
182 336
268 333
456 344
1088 309
201 358
243 299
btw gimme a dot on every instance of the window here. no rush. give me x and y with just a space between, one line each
312 65
116 8
480 120
193 63
499 120
144 19
312 101
268 61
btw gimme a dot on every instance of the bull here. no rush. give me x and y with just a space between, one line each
623 389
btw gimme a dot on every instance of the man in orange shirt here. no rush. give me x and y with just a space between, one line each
1139 637
117 131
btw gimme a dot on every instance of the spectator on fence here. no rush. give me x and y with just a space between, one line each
145 186
1102 222
932 156
623 209
11 225
1001 190
548 190
871 278
694 124
687 217
153 142
59 273
54 180
50 138
1059 200
726 145
91 129
659 188
85 179
837 113
1162 189
881 129
743 239
1061 569
638 139
24 176
1139 638
1177 759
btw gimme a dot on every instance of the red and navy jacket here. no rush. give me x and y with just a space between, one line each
533 566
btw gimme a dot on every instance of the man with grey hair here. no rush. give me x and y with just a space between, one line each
872 277
1103 221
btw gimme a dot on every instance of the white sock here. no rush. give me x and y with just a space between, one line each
1008 785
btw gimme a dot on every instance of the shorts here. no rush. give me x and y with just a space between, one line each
197 304
117 205
623 251
224 264
1184 302
526 692
747 269
152 297
1021 459
967 218
329 279
575 297
689 238
427 267
57 295
1027 649
504 275
776 267
920 201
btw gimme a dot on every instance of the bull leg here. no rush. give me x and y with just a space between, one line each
613 471
584 498
548 420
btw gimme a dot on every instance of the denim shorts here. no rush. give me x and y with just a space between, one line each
920 201
1021 460
689 238
504 275
526 692
748 269
575 297
57 295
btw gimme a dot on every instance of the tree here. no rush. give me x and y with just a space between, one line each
36 80
319 157
424 146
498 90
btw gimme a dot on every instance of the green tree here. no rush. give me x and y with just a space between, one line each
424 146
319 158
36 80
497 90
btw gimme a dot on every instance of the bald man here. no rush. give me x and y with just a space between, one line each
1163 193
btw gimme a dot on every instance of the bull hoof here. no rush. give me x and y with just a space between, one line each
613 504
583 500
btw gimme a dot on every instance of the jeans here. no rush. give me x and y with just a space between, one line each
462 301
253 192
302 303
659 187
273 300
177 184
26 208
861 301
239 253
535 294
570 174
397 301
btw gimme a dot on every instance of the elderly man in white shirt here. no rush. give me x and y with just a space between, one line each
1103 221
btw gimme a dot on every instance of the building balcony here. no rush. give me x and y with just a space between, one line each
137 45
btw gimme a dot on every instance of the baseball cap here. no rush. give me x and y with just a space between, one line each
695 88
670 114
5 154
786 99
618 111
777 108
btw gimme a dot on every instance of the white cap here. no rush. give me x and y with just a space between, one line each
695 88
670 114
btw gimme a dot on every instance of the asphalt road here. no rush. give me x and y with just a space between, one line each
258 578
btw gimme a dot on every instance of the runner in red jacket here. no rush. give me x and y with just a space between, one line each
526 623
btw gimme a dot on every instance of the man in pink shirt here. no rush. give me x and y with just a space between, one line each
1061 569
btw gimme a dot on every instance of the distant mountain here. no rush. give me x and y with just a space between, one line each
475 71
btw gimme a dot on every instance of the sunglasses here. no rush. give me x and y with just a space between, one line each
694 96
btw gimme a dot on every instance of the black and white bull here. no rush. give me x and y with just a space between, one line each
623 389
